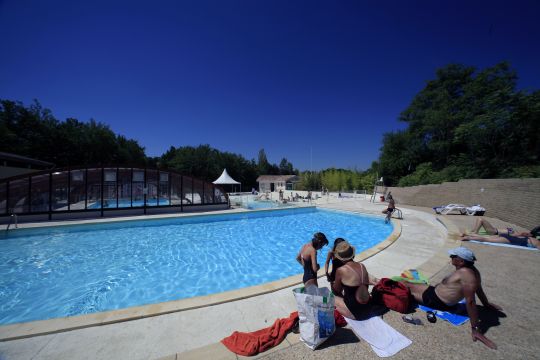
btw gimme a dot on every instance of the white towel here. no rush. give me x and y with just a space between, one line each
383 338
504 245
475 208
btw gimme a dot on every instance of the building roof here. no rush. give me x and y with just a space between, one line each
24 160
276 178
225 179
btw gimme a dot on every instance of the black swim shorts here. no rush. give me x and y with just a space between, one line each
430 299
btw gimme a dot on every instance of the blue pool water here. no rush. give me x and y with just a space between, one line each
128 203
264 205
72 270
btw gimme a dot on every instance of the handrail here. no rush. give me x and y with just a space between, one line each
11 217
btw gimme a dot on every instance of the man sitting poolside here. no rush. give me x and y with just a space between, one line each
464 282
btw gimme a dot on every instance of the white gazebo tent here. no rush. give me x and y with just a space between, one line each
226 179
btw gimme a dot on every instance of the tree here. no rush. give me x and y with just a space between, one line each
310 180
464 124
207 163
263 164
285 167
34 132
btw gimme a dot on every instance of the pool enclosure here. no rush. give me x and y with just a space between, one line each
102 191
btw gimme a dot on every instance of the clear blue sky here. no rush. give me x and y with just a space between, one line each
286 76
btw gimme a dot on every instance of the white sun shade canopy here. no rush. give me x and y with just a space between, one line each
225 178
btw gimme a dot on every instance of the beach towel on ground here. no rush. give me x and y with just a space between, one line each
413 276
383 338
482 231
504 245
452 318
252 343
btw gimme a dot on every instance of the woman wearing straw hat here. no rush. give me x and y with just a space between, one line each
307 257
351 284
336 264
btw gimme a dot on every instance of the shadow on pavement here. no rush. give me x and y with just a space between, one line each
341 336
489 318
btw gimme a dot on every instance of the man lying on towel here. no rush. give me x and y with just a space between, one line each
464 282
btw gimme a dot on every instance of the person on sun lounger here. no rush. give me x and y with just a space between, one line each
503 236
464 282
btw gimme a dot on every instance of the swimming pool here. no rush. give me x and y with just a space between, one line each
127 203
253 202
72 270
252 205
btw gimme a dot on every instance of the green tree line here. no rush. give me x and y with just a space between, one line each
465 124
338 179
34 132
205 162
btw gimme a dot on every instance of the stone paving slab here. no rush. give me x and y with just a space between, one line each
507 276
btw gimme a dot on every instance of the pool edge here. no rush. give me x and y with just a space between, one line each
64 324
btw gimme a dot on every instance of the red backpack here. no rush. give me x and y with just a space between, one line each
392 294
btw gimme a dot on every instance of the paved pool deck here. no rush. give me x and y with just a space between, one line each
424 240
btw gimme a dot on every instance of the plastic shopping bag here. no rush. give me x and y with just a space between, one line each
315 314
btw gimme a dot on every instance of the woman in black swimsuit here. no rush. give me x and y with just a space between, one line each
307 257
336 263
351 284
503 236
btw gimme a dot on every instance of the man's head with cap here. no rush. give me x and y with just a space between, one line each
463 253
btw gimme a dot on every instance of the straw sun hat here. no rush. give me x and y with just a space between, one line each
344 251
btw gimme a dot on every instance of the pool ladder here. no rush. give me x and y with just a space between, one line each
11 217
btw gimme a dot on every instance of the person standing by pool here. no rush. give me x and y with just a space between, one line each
351 284
390 209
336 263
307 257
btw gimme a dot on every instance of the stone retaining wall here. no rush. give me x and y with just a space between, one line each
516 201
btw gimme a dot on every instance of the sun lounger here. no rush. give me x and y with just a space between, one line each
447 209
460 208
475 210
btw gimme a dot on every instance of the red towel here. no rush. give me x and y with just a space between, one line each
252 343
340 320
